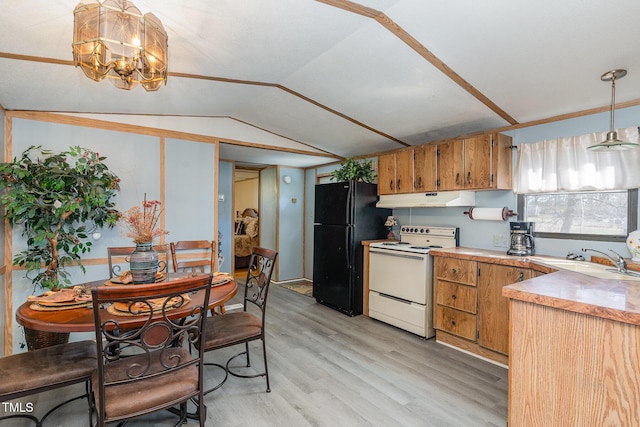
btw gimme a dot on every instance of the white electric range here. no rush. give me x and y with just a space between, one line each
401 277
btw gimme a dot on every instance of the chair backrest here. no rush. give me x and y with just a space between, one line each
152 353
118 259
193 255
261 265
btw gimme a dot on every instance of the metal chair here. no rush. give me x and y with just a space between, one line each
193 255
118 258
48 368
143 370
243 326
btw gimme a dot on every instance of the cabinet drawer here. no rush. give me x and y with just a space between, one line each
456 270
456 322
456 296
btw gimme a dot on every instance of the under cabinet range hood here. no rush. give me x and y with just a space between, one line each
442 199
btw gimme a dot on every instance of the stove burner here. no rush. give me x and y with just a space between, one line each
394 243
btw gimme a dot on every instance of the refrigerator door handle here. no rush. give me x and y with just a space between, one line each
349 207
347 245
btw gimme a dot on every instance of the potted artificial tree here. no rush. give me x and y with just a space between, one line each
58 200
352 170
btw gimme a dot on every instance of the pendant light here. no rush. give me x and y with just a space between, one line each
612 142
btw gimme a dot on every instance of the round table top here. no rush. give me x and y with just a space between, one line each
81 319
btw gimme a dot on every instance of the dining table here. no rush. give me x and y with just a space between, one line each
81 319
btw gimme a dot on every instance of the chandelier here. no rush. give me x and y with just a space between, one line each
113 39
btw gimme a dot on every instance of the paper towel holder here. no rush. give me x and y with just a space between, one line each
506 213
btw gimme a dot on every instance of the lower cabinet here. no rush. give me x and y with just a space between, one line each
493 308
470 311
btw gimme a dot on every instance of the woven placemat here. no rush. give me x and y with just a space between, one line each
38 307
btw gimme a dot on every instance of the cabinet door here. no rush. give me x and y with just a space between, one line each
493 308
404 171
477 162
386 174
450 166
425 167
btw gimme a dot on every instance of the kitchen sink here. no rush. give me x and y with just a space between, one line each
585 267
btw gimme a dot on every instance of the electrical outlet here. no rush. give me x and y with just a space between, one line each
501 240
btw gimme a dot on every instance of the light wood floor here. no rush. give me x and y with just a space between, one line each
328 369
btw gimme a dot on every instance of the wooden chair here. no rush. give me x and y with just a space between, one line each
45 369
118 259
243 326
144 370
189 255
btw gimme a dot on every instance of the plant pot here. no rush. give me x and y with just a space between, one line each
143 264
41 339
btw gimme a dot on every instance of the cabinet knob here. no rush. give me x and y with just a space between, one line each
398 186
458 178
453 296
453 322
469 178
453 270
391 185
521 277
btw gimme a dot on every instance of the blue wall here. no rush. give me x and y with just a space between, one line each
290 224
135 159
480 234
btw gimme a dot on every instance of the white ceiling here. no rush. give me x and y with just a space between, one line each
336 81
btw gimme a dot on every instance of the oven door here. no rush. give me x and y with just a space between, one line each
403 275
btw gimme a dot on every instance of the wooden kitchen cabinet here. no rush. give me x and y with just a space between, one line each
493 308
469 311
478 163
455 295
425 170
395 172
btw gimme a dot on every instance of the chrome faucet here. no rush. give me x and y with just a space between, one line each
574 257
620 263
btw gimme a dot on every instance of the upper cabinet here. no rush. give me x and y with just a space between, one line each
425 171
395 172
478 163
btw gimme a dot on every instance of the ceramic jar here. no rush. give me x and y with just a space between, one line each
143 263
633 243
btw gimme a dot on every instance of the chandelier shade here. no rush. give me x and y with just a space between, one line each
113 39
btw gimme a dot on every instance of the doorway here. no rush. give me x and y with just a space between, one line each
246 199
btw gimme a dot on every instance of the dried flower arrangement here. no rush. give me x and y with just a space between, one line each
143 223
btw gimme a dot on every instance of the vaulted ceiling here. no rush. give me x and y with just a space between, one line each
328 79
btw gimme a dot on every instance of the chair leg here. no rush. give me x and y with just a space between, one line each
262 374
246 350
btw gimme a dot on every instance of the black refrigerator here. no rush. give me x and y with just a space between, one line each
345 214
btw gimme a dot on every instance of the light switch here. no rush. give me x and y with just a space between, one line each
294 200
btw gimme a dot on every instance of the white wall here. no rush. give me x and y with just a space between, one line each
246 194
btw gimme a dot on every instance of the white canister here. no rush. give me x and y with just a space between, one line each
633 243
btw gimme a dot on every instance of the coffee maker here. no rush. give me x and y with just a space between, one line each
521 239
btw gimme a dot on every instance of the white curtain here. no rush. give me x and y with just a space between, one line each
565 164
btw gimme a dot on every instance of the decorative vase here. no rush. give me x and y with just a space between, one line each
143 263
633 243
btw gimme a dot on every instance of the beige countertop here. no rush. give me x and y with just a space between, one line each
612 299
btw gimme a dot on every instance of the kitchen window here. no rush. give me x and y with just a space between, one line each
589 215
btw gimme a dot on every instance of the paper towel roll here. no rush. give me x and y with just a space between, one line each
490 214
